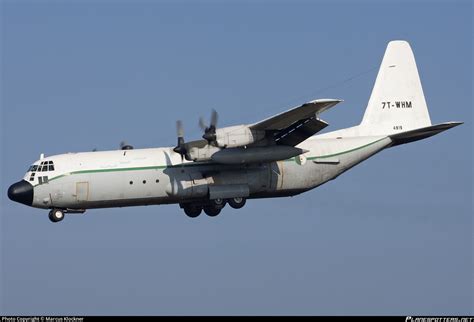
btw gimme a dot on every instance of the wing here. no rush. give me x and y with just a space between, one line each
297 124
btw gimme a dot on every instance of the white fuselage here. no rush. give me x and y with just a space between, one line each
158 176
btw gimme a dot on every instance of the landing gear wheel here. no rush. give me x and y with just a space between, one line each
192 211
236 203
212 211
56 215
218 203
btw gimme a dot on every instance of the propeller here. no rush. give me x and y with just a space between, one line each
209 131
180 148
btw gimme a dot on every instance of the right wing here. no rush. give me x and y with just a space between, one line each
297 124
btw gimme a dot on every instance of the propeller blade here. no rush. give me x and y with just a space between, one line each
202 125
210 132
179 129
180 147
214 117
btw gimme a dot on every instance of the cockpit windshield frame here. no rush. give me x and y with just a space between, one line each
44 166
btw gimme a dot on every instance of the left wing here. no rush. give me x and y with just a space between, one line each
297 124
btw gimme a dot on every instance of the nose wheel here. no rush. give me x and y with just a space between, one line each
56 215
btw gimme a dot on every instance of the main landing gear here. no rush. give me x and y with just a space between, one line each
192 210
237 203
213 207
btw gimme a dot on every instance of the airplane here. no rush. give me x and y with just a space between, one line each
277 157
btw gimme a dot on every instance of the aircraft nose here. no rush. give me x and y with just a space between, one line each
21 192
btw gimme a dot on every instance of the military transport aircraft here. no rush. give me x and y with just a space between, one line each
275 157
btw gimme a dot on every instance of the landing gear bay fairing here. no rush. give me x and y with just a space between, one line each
276 157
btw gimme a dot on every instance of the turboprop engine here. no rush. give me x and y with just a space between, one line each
237 136
231 136
231 145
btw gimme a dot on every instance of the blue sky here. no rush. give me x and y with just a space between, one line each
391 236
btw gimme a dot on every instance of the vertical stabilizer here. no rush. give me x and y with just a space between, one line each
397 103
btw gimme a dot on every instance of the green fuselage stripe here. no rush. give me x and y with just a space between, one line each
344 152
197 164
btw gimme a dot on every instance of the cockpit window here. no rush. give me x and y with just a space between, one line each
44 166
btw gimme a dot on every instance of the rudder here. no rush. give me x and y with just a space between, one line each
397 103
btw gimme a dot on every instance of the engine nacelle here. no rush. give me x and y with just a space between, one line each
202 153
236 136
256 155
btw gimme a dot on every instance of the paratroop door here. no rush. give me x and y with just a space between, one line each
82 191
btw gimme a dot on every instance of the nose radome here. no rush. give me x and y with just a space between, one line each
21 192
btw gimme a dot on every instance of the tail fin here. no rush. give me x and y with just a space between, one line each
397 103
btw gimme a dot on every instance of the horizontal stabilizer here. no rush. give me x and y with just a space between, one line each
421 133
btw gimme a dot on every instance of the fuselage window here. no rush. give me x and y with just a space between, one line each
43 179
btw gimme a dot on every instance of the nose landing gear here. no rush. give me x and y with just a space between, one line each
56 215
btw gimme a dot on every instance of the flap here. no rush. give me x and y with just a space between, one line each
299 131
